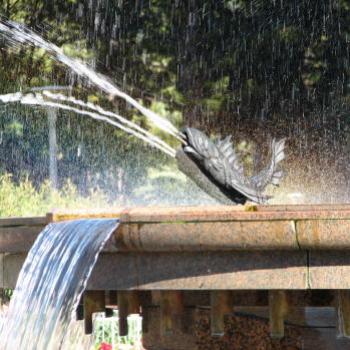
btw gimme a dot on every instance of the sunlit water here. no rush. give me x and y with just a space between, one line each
48 99
299 180
51 283
19 34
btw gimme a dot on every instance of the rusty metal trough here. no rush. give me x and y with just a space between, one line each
215 251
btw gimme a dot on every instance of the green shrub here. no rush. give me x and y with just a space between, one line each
106 330
23 199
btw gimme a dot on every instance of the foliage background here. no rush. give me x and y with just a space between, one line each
253 69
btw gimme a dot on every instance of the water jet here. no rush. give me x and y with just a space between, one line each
220 270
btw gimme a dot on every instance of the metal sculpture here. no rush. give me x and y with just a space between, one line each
216 168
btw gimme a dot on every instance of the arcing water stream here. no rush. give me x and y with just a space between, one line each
60 262
51 283
17 33
49 99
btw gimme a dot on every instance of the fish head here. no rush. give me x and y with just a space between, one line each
198 145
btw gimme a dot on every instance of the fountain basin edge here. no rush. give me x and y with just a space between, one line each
222 247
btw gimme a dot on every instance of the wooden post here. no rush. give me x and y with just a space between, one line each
111 302
221 304
94 301
171 312
128 303
145 319
343 313
278 308
111 298
148 299
80 309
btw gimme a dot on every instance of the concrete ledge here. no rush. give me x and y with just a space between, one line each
256 247
217 228
207 236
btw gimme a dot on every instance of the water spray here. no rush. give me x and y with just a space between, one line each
38 99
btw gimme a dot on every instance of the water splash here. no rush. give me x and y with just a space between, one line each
103 115
51 283
18 33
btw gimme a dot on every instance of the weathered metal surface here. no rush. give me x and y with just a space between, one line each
215 167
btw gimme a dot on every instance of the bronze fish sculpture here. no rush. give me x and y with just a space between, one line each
216 168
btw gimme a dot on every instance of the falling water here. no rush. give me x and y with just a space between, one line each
17 33
51 283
